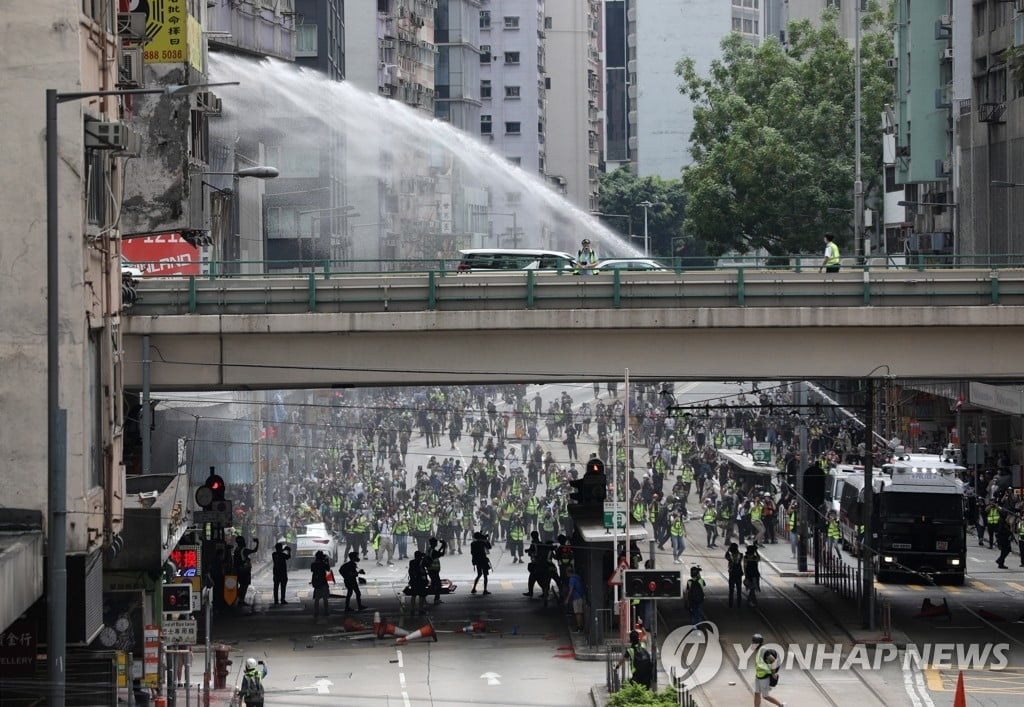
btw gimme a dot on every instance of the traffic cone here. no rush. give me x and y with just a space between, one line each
376 623
472 628
353 624
928 609
383 628
989 615
424 632
960 698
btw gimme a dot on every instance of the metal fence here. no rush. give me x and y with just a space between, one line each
832 570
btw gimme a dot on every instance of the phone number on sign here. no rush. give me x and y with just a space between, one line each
178 54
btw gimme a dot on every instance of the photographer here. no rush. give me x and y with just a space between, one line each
478 552
438 549
350 575
282 553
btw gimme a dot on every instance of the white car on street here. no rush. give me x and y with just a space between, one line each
632 264
315 537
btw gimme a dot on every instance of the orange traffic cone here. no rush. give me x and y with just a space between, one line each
352 624
376 623
472 628
424 632
960 698
383 628
928 609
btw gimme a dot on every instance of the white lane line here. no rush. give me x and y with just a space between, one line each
401 680
922 689
405 699
908 685
400 663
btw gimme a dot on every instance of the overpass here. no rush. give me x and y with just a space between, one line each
329 329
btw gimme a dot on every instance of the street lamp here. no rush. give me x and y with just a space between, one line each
56 418
515 227
647 244
628 217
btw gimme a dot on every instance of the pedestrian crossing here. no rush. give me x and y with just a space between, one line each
971 586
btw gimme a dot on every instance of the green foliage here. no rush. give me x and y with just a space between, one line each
622 192
632 695
773 140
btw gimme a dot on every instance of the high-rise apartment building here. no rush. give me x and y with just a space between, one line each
572 35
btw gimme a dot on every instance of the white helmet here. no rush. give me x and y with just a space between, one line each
250 663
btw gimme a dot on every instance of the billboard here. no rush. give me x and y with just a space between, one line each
162 255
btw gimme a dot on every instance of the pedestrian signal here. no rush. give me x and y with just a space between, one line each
595 466
592 487
177 598
652 584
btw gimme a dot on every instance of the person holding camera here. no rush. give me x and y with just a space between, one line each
438 549
478 553
282 553
766 672
251 689
350 575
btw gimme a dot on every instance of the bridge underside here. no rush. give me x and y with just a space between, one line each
321 350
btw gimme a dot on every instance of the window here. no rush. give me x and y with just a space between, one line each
513 128
511 23
485 125
511 57
547 82
737 24
547 23
485 53
511 92
517 161
305 40
485 19
485 89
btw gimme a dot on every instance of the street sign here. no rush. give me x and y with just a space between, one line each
762 453
733 437
614 514
179 632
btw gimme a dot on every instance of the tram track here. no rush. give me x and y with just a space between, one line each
784 635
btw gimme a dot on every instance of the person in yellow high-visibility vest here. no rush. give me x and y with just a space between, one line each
835 537
830 263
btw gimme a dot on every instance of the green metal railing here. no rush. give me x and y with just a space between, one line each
429 284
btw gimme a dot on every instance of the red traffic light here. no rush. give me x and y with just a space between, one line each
652 586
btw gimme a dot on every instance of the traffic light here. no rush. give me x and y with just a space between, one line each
177 598
650 584
210 492
591 488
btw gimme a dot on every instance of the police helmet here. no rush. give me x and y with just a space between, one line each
757 638
250 663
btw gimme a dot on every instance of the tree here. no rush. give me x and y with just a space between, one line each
621 194
773 137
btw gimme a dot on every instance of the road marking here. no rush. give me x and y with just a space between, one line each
405 699
908 685
401 662
915 587
401 680
922 690
507 584
491 678
981 585
1015 585
953 589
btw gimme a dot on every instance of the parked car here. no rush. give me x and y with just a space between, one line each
130 270
629 264
477 259
315 537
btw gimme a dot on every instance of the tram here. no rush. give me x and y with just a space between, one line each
747 473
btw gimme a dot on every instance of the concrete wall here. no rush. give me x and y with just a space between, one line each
667 31
45 44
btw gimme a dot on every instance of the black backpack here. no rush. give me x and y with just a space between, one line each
642 664
695 593
253 687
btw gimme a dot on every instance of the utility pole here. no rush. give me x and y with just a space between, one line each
868 544
858 185
647 243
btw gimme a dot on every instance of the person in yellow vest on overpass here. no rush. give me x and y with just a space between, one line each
830 263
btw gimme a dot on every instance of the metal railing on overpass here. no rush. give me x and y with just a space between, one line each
429 285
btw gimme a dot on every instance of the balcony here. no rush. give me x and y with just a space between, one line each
991 112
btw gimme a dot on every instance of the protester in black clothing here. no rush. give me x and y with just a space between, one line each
243 566
319 569
418 581
478 552
282 553
438 549
350 575
735 559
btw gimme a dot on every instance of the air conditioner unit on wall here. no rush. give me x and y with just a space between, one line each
111 136
946 54
892 63
129 67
